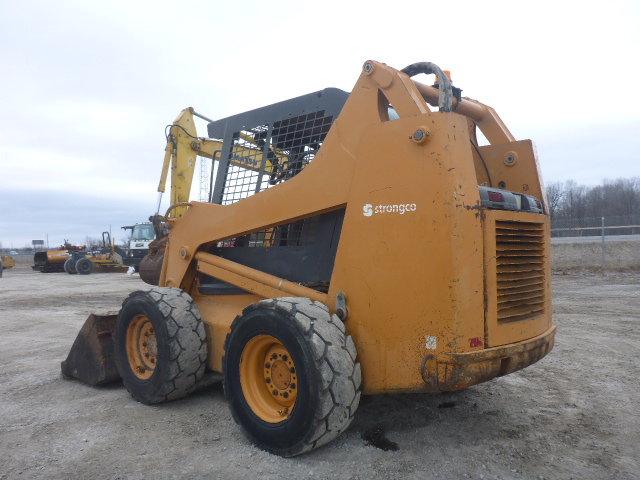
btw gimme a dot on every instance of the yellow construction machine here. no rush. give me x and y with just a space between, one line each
53 260
183 148
6 262
102 259
354 243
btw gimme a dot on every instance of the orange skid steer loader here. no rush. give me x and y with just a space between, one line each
354 243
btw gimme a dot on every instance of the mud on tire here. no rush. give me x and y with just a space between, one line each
181 344
329 377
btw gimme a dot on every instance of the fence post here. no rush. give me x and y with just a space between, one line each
602 231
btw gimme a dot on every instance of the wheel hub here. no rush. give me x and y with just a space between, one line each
268 378
142 347
280 373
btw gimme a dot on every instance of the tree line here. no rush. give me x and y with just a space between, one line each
613 198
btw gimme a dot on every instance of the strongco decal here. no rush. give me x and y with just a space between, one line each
400 208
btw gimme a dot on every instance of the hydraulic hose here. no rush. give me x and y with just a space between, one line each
445 99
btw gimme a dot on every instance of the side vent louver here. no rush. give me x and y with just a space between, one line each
520 270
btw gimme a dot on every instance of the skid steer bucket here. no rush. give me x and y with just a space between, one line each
91 358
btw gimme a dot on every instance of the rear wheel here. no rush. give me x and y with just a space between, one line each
84 266
69 266
160 344
290 374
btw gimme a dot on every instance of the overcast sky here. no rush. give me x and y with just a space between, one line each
87 87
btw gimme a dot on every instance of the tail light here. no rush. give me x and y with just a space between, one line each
496 196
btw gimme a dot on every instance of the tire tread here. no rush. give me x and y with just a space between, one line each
335 359
187 343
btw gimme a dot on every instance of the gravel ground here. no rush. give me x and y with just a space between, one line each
575 414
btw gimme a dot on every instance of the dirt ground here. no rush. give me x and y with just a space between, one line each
575 414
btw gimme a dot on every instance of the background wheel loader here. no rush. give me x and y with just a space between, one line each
354 243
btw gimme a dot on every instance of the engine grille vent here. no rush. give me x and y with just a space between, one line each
520 270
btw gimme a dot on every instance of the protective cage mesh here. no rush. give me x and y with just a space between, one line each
266 155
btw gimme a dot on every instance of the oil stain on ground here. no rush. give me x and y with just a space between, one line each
376 437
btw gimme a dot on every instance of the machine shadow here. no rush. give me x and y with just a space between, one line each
443 415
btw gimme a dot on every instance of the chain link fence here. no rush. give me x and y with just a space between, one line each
595 226
604 243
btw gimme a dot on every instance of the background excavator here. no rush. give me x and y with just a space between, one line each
353 243
182 150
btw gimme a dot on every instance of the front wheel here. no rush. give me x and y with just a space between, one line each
291 375
160 345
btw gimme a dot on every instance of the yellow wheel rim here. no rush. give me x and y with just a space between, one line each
268 378
142 347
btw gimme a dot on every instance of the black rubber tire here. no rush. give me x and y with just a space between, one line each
84 266
181 344
329 377
69 266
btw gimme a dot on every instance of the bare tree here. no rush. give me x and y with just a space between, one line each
93 243
555 195
573 203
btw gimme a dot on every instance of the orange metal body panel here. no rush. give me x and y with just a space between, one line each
218 312
57 256
413 258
